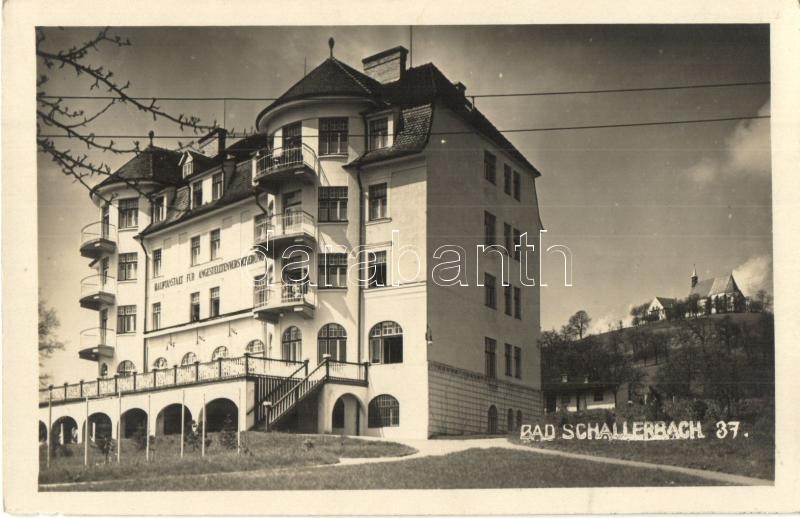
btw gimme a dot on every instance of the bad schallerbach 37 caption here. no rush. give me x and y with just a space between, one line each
625 431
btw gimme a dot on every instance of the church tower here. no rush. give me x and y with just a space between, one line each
694 276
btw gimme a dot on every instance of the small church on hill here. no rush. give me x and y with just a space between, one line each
721 292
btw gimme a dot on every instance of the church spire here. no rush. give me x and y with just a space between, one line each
694 276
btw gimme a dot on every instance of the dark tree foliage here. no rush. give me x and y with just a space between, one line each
48 341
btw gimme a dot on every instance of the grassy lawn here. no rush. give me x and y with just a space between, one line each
753 456
474 468
260 451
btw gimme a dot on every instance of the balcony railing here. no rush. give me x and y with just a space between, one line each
221 369
295 226
97 343
278 164
97 290
97 239
271 301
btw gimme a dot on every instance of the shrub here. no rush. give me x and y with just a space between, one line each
227 436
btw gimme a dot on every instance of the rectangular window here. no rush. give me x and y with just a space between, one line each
332 204
517 303
598 395
518 362
508 359
158 209
517 186
157 263
215 244
156 316
194 307
197 194
378 201
332 270
507 179
216 186
126 319
490 346
490 288
195 250
127 266
377 270
333 136
128 213
213 306
490 167
489 222
187 169
378 133
507 236
507 297
517 244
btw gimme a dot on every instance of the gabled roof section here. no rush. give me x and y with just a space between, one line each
331 77
666 302
412 137
153 164
715 286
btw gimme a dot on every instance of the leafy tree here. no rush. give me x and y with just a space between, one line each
693 304
578 325
228 434
639 314
48 341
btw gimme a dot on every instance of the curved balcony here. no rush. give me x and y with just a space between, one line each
97 343
270 302
98 291
98 239
279 231
272 167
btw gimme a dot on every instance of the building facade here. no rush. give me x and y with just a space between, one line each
305 275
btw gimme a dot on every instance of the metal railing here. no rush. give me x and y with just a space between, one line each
215 370
276 159
98 230
280 294
98 283
97 336
286 224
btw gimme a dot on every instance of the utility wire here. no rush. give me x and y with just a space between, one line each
518 130
481 96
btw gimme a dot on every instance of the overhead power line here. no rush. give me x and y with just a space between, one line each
476 96
443 133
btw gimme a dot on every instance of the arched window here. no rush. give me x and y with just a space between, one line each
188 359
332 339
219 352
126 368
386 343
492 424
510 420
519 419
383 410
255 347
292 344
160 363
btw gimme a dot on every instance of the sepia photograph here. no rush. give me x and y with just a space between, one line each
484 256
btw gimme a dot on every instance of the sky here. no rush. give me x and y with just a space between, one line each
636 206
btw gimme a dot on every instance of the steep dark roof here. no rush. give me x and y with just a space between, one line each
154 163
331 77
427 85
412 137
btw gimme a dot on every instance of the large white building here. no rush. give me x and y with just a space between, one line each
382 168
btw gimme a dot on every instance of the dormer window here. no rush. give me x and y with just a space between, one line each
158 209
197 194
188 168
378 133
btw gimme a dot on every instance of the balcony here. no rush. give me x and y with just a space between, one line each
98 291
272 301
273 167
97 343
279 231
98 239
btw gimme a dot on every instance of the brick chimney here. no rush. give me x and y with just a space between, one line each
386 66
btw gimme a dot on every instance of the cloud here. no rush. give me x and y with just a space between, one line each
601 325
747 152
754 274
